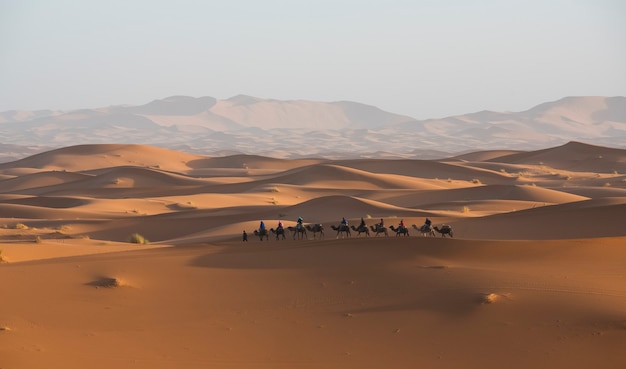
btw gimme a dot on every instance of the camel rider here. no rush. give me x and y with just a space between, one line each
344 222
280 224
426 225
401 226
362 225
381 224
262 226
299 225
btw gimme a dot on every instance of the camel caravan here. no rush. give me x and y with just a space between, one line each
301 231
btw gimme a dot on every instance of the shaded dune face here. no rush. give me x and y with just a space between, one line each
534 275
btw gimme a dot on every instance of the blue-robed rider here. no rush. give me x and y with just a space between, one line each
299 225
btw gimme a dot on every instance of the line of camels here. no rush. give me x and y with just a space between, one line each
346 231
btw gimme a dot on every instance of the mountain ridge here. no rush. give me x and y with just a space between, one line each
304 128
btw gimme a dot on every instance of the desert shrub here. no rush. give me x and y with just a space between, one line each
466 209
38 239
137 238
21 226
1 257
476 181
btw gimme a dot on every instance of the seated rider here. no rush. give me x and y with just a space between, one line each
299 225
426 225
401 226
344 222
362 225
280 224
262 226
381 224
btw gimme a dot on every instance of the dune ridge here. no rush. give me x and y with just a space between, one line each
532 277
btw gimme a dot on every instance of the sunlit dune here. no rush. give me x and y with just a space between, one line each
116 256
105 156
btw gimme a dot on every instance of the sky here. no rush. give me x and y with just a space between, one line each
421 58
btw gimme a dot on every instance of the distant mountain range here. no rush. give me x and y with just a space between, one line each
300 128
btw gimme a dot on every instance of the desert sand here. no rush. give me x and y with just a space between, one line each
533 277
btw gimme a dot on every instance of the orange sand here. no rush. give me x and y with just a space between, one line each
533 278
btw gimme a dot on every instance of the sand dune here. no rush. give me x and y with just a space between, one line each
85 157
429 169
533 277
573 156
37 180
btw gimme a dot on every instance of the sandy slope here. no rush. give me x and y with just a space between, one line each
534 276
323 304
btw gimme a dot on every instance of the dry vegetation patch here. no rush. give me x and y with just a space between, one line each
108 282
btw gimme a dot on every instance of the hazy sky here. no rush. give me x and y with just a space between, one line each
425 59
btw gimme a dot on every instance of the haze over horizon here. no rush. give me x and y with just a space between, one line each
422 59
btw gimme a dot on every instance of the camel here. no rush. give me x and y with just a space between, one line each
300 232
316 228
262 233
445 230
400 231
425 230
278 232
378 229
341 229
361 229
